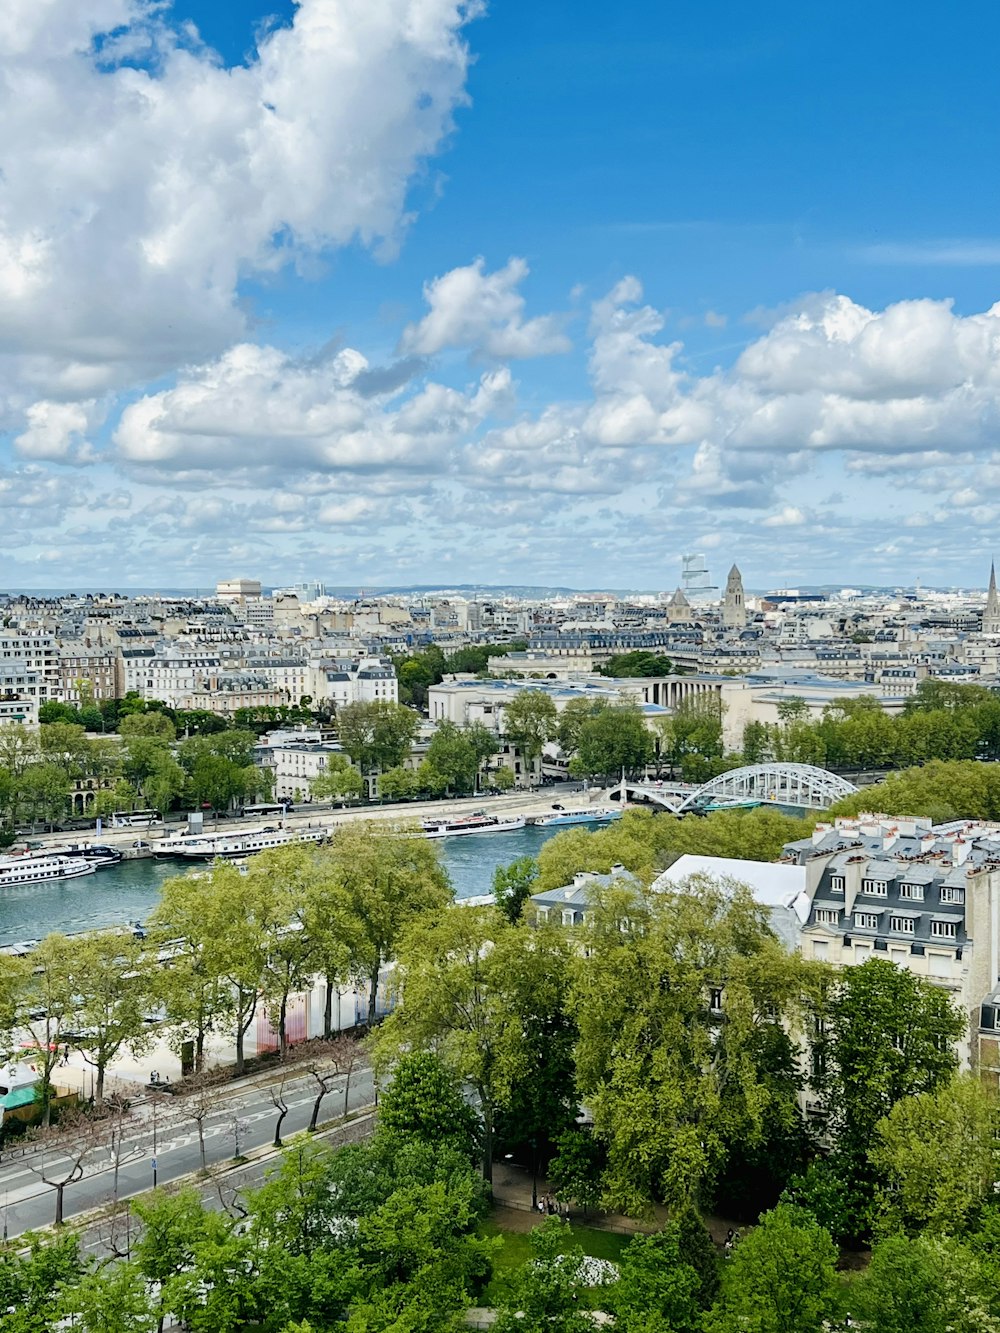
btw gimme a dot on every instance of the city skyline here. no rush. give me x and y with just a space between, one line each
456 294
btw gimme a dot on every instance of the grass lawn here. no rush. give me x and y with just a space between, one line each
517 1250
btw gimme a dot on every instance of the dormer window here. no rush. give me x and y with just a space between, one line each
836 883
913 892
866 920
950 895
876 888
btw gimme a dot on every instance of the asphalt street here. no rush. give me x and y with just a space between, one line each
161 1137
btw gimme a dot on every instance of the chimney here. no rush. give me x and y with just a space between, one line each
959 852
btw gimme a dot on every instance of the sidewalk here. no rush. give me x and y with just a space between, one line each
512 1196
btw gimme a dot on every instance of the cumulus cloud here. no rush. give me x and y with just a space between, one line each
59 431
258 410
142 178
484 312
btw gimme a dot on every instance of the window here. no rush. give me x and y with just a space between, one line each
821 948
914 892
949 895
902 925
837 883
827 916
944 930
876 887
939 964
866 920
567 916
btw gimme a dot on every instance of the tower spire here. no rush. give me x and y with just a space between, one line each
991 615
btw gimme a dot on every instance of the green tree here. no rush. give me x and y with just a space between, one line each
616 740
154 725
381 879
575 1171
47 997
502 778
66 745
280 881
889 1035
930 1283
545 1293
465 977
113 1298
781 1278
44 791
673 995
572 719
239 912
529 722
513 885
656 1289
113 978
172 1224
340 781
453 755
33 1285
938 1157
377 735
397 784
638 663
939 790
693 729
425 1100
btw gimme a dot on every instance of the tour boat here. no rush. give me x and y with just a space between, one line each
18 870
477 823
209 847
563 818
98 855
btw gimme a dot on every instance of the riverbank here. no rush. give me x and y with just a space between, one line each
527 803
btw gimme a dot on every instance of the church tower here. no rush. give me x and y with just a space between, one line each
734 611
991 616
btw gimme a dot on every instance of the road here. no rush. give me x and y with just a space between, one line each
163 1131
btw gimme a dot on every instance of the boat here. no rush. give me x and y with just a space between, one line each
229 846
477 823
565 818
98 854
18 870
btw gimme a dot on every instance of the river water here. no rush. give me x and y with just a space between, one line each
129 891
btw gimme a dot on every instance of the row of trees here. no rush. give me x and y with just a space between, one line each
223 947
940 721
144 764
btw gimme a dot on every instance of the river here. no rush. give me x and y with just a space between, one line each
128 892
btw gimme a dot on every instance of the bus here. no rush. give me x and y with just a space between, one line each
267 810
135 818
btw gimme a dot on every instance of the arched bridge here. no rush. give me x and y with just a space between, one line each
771 784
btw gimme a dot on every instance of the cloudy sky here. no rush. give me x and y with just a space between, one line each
440 291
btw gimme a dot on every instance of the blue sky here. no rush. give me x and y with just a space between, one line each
535 293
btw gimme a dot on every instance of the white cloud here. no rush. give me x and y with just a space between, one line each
59 431
257 410
142 178
788 517
470 308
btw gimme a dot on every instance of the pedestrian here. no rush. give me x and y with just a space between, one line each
66 1054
